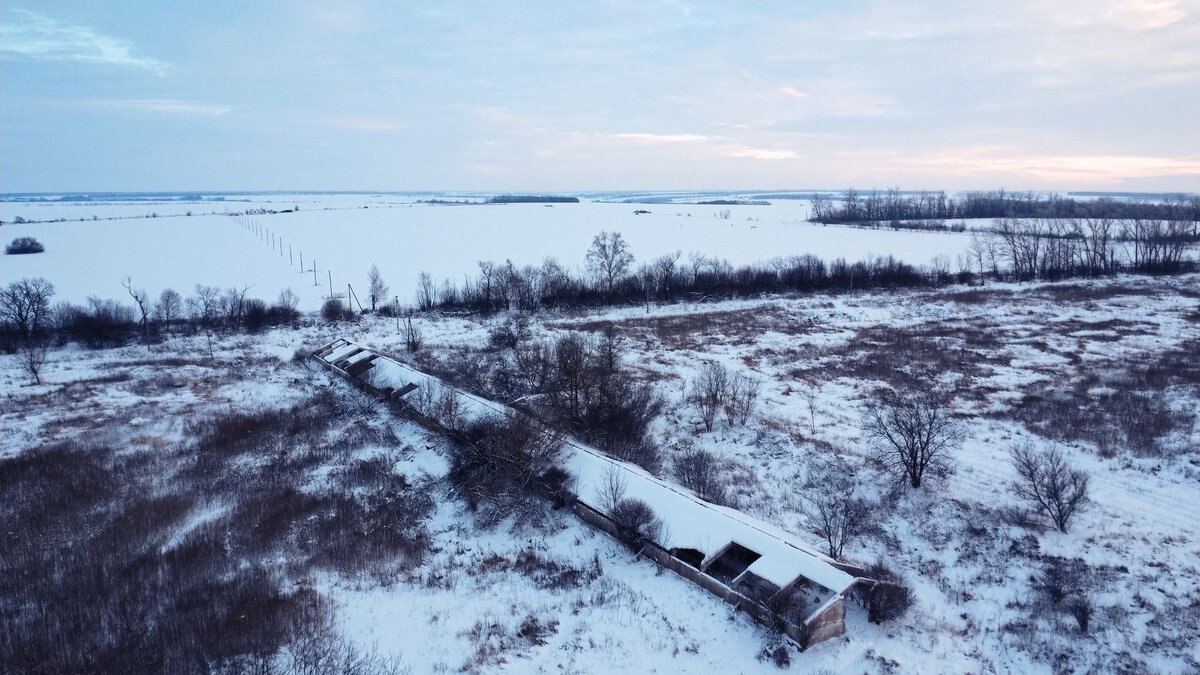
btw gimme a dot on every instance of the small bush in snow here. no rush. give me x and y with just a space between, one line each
776 651
636 523
700 471
1064 584
332 310
1049 484
709 391
24 245
889 597
829 502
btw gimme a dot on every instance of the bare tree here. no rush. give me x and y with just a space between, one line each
700 471
25 305
426 291
168 307
205 304
288 301
498 463
612 488
742 398
571 361
914 433
810 400
376 286
142 300
829 502
664 267
233 304
708 391
412 335
33 356
608 260
1048 483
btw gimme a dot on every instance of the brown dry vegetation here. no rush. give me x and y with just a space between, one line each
100 570
695 331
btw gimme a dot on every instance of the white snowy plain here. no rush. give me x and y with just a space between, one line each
344 235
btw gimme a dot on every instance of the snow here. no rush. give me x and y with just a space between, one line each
690 522
973 572
403 239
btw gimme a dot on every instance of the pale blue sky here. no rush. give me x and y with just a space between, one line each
175 95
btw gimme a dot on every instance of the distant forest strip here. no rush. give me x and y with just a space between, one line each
532 199
893 206
1009 250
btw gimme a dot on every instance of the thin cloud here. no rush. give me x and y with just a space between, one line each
1065 169
376 125
661 138
163 106
39 37
758 153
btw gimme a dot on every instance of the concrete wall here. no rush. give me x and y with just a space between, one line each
830 623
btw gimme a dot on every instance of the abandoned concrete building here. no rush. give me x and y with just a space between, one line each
769 573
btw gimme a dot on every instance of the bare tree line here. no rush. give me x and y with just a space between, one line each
893 205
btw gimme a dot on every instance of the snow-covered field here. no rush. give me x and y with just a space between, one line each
1038 363
345 234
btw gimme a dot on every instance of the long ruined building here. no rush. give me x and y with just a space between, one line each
760 569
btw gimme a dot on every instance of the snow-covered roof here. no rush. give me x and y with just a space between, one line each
688 521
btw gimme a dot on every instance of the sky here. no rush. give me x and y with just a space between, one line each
639 95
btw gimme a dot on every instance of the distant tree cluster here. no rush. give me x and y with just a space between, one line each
611 278
28 320
894 205
1046 248
24 245
1011 249
532 199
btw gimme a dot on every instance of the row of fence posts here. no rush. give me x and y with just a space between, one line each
276 241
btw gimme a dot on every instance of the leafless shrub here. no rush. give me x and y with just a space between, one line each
612 488
776 651
700 471
413 340
888 598
709 390
1064 584
498 464
33 356
810 400
742 398
829 502
636 523
636 451
914 434
1048 483
534 631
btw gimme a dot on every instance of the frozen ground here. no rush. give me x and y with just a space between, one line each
346 234
1037 363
